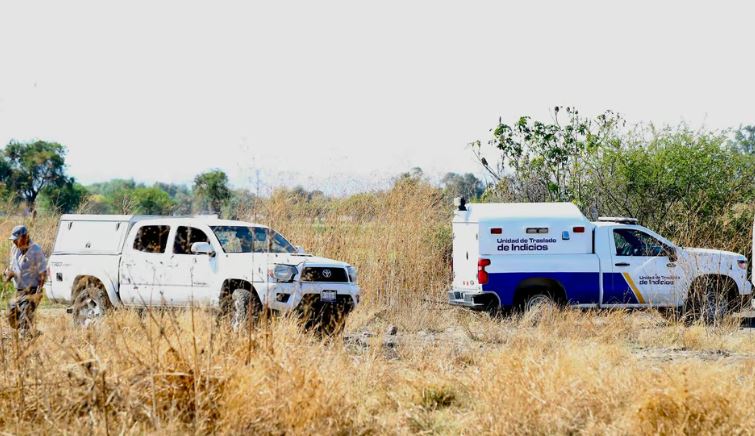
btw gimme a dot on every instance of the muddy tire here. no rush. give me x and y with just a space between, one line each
90 305
245 309
709 301
332 320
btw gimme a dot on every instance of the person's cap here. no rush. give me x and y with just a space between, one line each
18 231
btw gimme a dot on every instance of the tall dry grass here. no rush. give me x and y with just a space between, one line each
570 372
448 371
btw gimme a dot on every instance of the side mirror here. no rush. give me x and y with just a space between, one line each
202 248
300 249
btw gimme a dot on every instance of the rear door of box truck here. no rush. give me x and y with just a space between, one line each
466 253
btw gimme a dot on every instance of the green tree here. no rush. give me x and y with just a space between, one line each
240 205
181 196
110 187
744 139
413 177
211 189
458 185
151 201
65 198
546 161
32 167
672 178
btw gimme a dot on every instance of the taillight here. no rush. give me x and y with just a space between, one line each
496 231
482 275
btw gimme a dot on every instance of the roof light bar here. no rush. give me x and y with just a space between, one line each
617 219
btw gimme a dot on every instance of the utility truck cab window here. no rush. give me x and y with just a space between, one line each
152 239
631 242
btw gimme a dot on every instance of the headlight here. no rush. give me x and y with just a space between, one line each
282 273
352 273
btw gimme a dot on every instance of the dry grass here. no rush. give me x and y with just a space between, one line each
572 371
447 371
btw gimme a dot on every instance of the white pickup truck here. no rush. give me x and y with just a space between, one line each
518 255
105 261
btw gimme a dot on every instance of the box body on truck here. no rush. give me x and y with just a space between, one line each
506 254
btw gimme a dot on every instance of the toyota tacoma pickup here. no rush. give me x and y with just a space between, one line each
518 255
101 262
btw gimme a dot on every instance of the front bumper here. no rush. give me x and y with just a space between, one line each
285 297
746 288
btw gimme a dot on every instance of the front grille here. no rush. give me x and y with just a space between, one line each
324 274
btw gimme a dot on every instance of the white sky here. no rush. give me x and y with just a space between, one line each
341 96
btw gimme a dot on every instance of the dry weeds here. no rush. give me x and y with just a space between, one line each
447 371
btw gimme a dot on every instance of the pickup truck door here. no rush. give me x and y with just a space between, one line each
644 271
190 275
142 272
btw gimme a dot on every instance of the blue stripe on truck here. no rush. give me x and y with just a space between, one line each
616 290
580 287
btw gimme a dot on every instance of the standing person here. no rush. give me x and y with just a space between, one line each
28 269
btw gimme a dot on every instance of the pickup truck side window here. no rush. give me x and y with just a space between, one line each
631 242
241 239
152 239
185 236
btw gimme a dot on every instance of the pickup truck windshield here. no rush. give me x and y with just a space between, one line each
242 239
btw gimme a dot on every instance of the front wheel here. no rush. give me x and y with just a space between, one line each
709 301
245 308
90 305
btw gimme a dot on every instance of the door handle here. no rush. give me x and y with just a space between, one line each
670 265
622 264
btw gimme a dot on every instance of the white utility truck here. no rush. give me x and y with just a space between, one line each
518 255
105 261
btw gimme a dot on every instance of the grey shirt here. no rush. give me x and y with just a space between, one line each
27 266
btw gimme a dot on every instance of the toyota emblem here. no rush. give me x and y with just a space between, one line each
326 273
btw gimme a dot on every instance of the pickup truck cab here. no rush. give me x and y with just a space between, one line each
518 255
105 261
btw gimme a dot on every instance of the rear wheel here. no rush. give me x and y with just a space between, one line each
539 300
90 305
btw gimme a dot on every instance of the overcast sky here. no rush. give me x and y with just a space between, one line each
340 96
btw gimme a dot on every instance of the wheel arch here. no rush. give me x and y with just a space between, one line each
83 280
229 285
723 280
531 285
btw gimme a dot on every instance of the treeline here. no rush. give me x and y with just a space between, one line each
696 186
33 178
689 184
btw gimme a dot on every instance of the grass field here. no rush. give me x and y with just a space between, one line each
444 370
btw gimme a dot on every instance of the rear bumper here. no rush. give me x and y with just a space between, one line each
473 299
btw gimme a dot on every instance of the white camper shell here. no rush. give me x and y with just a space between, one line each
506 254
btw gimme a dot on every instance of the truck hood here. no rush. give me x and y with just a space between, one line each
709 252
296 259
